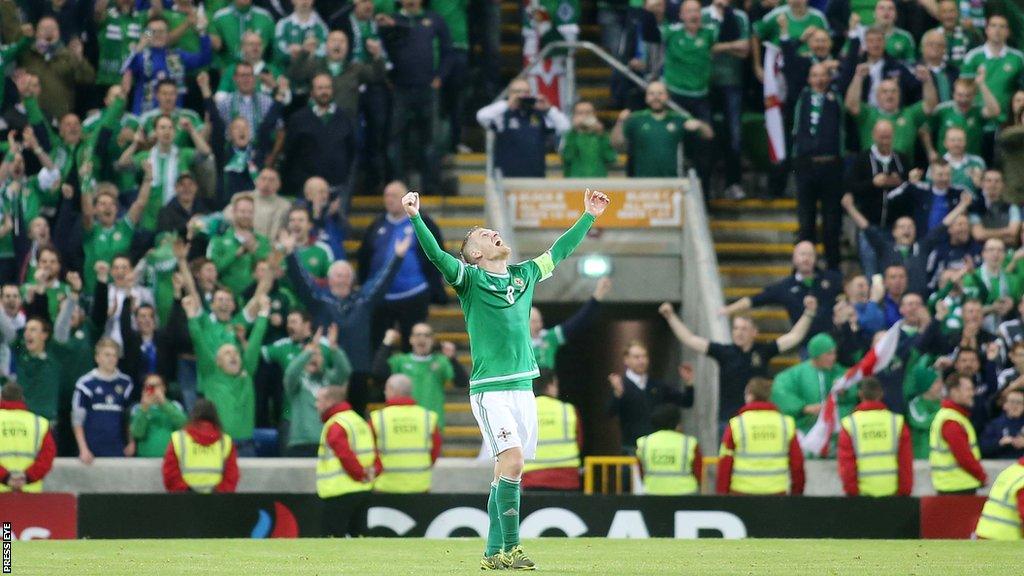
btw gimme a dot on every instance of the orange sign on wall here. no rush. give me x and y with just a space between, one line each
555 208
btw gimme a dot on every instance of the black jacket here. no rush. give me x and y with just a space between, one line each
860 174
910 86
635 407
438 295
315 148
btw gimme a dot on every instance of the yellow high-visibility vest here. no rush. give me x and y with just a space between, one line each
761 457
202 467
1000 519
876 444
21 437
331 477
405 436
947 475
667 459
556 436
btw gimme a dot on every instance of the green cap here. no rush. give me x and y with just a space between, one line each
820 344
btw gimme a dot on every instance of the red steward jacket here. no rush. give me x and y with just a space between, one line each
205 434
40 467
796 457
337 439
848 459
955 435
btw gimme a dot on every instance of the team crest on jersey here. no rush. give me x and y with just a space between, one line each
901 121
670 127
275 304
1007 67
117 236
519 283
755 360
427 22
313 261
119 389
699 43
825 284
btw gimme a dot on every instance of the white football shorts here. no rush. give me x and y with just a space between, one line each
507 419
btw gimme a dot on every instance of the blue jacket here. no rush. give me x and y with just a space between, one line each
1003 425
152 65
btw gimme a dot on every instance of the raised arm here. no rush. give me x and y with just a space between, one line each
135 211
451 268
965 202
698 344
851 209
991 107
595 203
796 335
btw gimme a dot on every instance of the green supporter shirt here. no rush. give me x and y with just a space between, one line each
33 200
587 155
1004 73
497 307
233 395
654 143
865 9
688 59
181 137
227 80
229 24
291 31
236 271
117 120
316 259
900 45
429 374
385 6
803 384
40 378
726 69
962 170
767 29
301 388
166 168
920 414
115 34
454 13
65 156
216 334
56 292
546 345
905 125
159 274
281 352
102 245
9 54
948 115
152 427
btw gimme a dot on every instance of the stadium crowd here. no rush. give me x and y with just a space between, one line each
176 177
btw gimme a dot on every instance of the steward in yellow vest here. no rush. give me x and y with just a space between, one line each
26 444
953 445
407 440
1003 512
670 461
760 453
557 463
345 466
875 455
201 457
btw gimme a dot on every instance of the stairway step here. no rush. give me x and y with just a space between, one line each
737 292
766 248
454 452
456 337
783 362
446 313
594 73
752 226
432 202
754 270
750 205
768 314
462 432
594 93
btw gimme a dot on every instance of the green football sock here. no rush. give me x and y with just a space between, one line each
508 510
494 528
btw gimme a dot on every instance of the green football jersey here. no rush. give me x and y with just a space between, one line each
653 143
688 59
1003 74
962 170
546 345
181 136
116 34
102 245
316 258
905 124
900 45
767 29
429 374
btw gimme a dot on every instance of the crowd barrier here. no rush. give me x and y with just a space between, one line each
282 515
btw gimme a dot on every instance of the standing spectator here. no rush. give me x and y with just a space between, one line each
727 75
146 351
635 395
921 413
345 465
1001 517
954 456
455 85
670 461
1003 437
894 283
349 75
960 39
270 213
933 56
419 46
873 173
799 17
229 25
167 105
875 454
153 61
236 251
880 67
966 169
180 210
964 112
416 284
107 237
320 141
1004 70
547 342
798 65
744 358
229 383
342 304
522 125
790 292
429 372
801 391
29 448
326 214
652 137
929 203
770 462
38 367
559 439
61 69
817 159
315 256
301 26
993 216
899 44
587 151
201 457
407 439
119 29
244 100
155 419
99 414
907 120
307 373
268 74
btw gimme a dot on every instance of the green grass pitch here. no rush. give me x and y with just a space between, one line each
590 556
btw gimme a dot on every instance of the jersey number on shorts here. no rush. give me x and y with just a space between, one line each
510 295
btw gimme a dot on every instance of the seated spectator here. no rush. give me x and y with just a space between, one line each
907 119
670 461
587 152
229 25
993 216
348 75
227 380
407 439
800 391
635 394
965 112
320 141
417 283
153 61
61 68
431 373
651 137
31 441
547 342
560 439
944 74
930 201
305 374
211 464
155 418
522 125
99 414
1003 437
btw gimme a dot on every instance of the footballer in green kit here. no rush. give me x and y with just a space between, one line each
496 299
